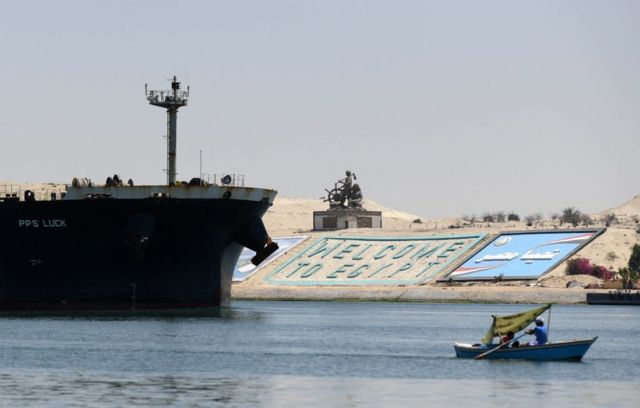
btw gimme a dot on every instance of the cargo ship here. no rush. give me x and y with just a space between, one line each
121 246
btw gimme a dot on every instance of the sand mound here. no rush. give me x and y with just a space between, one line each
629 209
561 281
291 215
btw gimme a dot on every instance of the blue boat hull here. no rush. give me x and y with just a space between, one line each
566 350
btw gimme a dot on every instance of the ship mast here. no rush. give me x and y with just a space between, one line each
171 100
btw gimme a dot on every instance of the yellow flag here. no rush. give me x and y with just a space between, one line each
512 323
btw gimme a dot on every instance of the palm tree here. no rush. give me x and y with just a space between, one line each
629 277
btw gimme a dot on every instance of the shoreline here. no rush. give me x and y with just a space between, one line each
511 295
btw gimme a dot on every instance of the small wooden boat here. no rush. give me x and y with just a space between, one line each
564 350
572 350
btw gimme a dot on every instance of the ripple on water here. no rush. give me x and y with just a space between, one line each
286 354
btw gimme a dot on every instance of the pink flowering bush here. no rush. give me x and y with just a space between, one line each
602 273
582 266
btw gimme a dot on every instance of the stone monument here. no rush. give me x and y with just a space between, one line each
345 208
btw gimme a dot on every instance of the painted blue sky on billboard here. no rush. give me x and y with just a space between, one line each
244 268
523 255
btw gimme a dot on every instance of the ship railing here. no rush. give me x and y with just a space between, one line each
18 192
166 96
224 179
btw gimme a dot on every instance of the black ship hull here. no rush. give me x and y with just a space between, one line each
123 254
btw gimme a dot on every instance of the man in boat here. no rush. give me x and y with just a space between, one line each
540 331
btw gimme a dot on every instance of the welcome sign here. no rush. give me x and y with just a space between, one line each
523 255
373 261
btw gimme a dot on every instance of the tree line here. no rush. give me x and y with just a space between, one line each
569 215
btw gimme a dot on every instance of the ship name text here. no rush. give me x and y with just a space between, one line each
43 223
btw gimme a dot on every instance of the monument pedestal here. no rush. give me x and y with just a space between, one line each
346 218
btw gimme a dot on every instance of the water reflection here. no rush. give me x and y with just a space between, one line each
230 313
99 389
285 354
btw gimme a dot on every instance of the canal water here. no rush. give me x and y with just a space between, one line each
324 354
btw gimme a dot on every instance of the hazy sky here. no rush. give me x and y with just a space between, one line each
441 108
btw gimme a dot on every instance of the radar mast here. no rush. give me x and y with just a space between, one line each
171 100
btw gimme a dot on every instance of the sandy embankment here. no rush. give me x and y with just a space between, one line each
294 217
431 294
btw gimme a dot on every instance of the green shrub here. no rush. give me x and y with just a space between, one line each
634 259
572 216
610 219
586 220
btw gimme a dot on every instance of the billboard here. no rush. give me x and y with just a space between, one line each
244 268
332 261
523 254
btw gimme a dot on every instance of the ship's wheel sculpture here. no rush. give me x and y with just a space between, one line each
345 194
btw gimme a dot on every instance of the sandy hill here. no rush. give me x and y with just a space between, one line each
630 208
291 215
